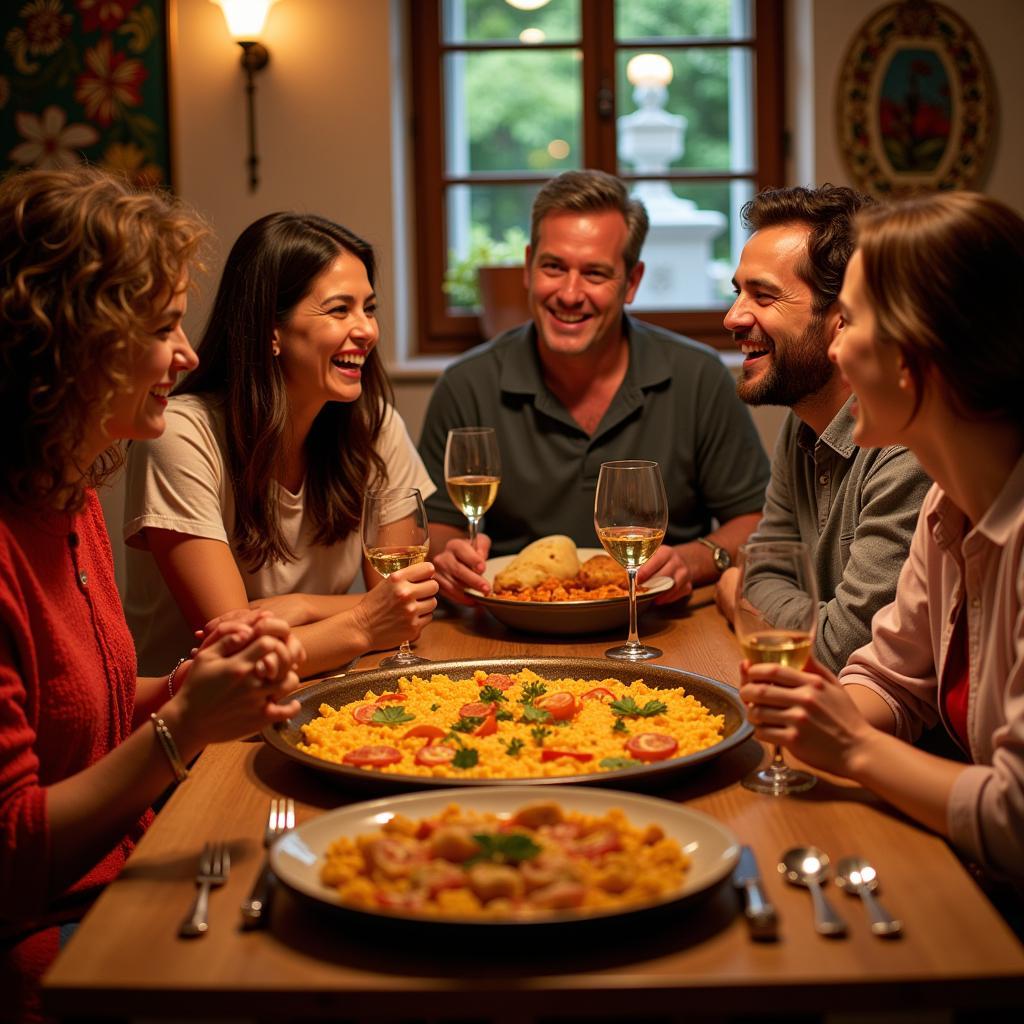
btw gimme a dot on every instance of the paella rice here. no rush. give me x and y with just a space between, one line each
511 727
538 861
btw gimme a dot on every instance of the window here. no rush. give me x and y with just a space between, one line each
508 93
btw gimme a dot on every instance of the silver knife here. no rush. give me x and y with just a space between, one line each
760 914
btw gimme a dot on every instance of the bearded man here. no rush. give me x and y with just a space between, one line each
855 507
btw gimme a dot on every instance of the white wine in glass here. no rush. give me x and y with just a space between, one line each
630 517
394 534
764 566
472 472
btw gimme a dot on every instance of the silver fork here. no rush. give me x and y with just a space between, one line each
214 864
280 819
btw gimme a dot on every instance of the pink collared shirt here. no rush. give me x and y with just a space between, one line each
984 567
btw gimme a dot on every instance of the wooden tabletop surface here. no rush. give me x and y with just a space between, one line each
126 957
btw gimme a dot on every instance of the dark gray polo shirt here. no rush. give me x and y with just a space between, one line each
676 406
857 509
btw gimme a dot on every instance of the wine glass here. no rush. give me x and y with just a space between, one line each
630 517
764 566
472 472
394 532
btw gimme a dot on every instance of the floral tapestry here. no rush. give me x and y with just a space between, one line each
85 80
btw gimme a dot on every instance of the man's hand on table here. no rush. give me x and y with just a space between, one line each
667 561
459 566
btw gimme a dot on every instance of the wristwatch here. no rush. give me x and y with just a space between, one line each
719 555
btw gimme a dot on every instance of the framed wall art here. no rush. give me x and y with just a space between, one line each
86 80
916 102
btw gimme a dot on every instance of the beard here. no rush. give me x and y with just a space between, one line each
797 370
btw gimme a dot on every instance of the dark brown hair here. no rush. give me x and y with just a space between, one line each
942 273
828 211
587 192
270 268
85 262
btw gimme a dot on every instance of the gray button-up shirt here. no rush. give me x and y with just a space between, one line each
857 509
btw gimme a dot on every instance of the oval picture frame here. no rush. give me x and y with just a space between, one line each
916 102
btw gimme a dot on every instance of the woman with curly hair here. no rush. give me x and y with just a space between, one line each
253 495
93 280
933 348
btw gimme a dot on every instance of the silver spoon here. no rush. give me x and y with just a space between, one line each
857 877
808 866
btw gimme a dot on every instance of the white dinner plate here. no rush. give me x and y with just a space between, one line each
296 858
565 617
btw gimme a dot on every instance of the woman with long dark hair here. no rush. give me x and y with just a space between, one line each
933 348
253 494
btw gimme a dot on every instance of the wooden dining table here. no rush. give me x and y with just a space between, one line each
699 961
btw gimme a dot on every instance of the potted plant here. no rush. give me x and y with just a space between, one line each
489 278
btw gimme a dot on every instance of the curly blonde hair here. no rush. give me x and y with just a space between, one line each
85 262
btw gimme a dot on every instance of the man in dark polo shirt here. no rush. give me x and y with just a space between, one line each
855 507
582 384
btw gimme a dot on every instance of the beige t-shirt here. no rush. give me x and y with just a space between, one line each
180 481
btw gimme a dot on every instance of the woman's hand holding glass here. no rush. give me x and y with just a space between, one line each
764 643
395 537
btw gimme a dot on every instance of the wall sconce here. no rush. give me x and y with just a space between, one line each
246 19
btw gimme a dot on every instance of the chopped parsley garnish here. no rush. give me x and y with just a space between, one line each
531 691
626 707
467 757
391 715
514 746
615 763
468 723
435 707
620 725
532 714
538 732
492 695
504 716
504 848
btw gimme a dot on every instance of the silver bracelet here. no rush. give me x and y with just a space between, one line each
172 674
170 748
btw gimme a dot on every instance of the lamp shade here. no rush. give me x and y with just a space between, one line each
245 18
649 69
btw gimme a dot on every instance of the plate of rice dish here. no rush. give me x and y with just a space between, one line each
553 587
510 721
486 857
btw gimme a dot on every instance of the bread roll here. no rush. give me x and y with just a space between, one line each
550 556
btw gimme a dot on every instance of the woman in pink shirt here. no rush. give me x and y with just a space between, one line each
93 284
933 347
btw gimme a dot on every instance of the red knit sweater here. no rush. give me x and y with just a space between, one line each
67 693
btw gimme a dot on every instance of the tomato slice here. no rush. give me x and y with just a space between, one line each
497 680
559 706
384 697
477 709
434 754
601 693
427 732
372 757
487 727
651 746
364 714
553 755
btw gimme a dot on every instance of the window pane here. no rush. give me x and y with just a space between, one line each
704 119
513 111
693 244
641 19
529 21
487 225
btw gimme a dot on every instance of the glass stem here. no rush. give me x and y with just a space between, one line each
778 765
472 531
404 648
634 636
